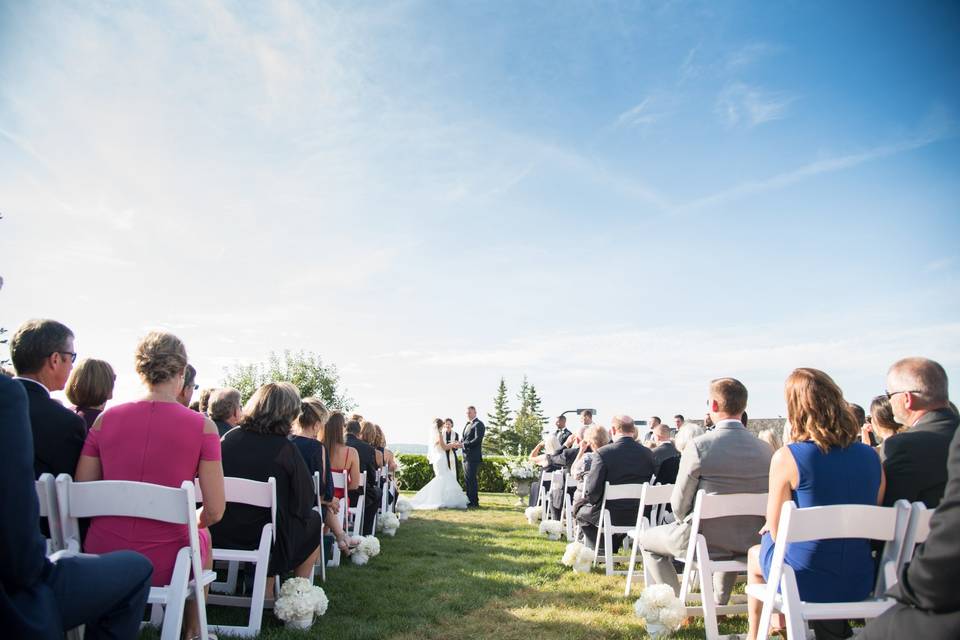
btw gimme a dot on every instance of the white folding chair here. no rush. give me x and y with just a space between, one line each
340 482
322 560
918 529
780 593
566 511
152 502
607 529
356 513
556 479
655 496
257 494
697 560
50 509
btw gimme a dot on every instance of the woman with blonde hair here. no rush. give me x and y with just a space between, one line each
156 440
368 433
89 387
389 460
824 464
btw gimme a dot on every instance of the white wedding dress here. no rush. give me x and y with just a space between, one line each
443 492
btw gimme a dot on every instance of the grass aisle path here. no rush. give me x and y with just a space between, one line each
469 574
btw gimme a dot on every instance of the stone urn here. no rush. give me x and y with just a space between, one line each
521 487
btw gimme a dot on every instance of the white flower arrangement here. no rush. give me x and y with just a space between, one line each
661 610
367 547
521 469
404 508
533 514
388 523
299 601
578 556
551 528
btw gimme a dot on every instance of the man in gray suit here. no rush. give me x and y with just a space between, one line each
728 459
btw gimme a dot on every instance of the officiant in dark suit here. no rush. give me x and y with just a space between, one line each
472 456
453 460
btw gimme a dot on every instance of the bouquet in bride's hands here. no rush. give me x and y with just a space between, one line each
299 601
388 523
367 547
660 609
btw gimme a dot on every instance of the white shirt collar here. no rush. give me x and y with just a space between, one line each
42 386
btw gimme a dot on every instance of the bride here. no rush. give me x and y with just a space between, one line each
443 492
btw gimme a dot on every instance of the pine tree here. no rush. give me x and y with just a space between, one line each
527 425
534 406
498 422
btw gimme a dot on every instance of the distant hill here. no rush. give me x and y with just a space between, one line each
418 449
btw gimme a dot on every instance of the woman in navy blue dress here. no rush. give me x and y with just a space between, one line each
825 464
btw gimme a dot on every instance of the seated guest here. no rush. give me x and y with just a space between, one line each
666 458
593 440
825 464
368 464
160 441
259 450
368 433
189 386
343 459
40 599
390 461
772 438
43 355
915 462
928 601
89 387
204 400
542 455
564 459
224 409
624 461
882 423
686 434
728 459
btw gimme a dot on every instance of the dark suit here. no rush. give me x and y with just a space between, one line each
58 432
368 463
39 599
915 461
666 463
623 461
563 435
928 599
472 459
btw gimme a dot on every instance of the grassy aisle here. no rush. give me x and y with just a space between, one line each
469 574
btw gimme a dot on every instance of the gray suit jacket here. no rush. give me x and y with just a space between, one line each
727 459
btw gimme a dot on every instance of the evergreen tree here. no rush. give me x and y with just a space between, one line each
527 425
498 422
534 407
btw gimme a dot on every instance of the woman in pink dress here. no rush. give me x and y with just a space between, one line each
155 440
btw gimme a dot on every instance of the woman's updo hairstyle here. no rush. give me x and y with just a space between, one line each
160 356
313 413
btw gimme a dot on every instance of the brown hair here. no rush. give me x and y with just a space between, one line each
204 402
34 342
730 394
160 356
368 432
597 436
222 403
90 383
381 438
333 432
313 413
817 411
882 414
438 422
271 409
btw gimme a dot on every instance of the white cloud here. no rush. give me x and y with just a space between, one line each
748 54
743 105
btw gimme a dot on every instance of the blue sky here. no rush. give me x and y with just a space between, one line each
622 201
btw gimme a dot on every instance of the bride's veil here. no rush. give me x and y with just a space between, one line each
434 452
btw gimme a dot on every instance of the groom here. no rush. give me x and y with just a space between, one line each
472 455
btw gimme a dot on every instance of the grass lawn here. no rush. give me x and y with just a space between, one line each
469 574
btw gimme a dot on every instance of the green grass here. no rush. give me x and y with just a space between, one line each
469 574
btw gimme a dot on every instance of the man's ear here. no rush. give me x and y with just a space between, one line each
714 406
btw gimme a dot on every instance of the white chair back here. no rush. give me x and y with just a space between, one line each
46 487
655 496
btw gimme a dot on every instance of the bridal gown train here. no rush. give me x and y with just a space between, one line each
443 492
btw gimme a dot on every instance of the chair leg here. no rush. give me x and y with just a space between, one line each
710 625
608 545
633 562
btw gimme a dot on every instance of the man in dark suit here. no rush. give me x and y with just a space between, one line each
473 434
368 464
928 601
43 355
666 458
915 461
40 599
563 434
623 461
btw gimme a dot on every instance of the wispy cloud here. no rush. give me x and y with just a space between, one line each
749 54
743 105
649 111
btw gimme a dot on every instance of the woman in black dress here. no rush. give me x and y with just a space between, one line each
257 450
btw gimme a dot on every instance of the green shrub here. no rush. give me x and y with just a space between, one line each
416 471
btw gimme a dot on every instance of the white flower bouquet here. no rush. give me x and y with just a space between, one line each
521 469
367 547
578 556
299 601
533 514
661 610
551 528
388 523
404 508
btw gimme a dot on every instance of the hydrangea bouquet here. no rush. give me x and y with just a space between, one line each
578 556
533 514
299 601
404 508
388 523
367 547
552 529
660 609
521 469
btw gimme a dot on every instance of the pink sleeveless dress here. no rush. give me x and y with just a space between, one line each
157 442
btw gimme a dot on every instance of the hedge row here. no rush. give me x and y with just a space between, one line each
416 471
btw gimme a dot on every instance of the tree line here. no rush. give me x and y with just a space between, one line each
514 432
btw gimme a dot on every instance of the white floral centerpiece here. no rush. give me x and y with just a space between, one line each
299 601
661 610
578 556
552 529
522 472
404 509
367 547
388 523
533 514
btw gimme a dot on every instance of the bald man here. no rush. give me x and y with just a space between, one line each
916 459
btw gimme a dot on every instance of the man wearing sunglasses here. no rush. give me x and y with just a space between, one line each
916 459
43 355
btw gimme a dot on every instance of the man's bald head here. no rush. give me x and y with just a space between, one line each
624 424
661 432
922 377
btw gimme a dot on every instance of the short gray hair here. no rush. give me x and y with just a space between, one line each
223 403
924 376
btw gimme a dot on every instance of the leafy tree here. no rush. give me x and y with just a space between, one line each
498 422
304 369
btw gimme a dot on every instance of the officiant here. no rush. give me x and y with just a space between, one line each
453 459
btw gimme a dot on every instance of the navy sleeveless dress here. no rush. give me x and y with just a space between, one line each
831 570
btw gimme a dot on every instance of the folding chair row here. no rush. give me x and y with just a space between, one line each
655 497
